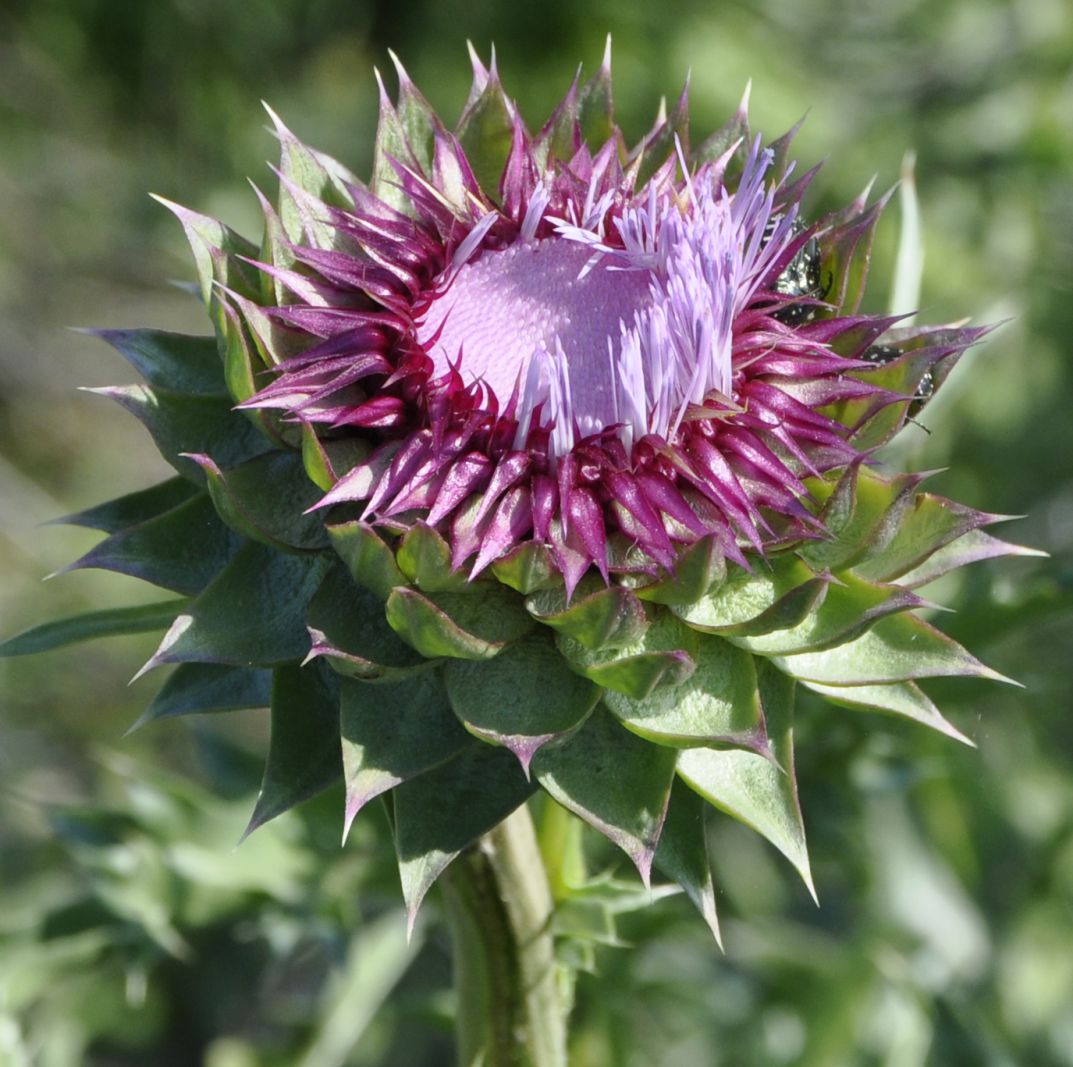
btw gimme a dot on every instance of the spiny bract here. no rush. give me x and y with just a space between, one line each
537 463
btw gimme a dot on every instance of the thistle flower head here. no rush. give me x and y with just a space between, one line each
538 462
603 351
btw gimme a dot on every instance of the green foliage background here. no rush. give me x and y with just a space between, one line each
131 930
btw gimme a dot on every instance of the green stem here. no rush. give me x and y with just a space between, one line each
559 834
511 1010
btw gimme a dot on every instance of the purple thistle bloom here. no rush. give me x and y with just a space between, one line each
575 357
532 360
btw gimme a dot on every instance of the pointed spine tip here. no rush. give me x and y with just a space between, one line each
643 864
950 730
605 63
1026 550
743 106
713 925
280 130
348 821
996 676
405 81
176 209
183 214
206 463
480 72
524 753
385 99
411 921
146 667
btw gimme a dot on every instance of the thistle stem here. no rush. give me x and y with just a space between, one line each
511 1008
559 835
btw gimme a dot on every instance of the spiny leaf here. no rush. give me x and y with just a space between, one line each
143 618
174 361
849 607
441 812
217 253
477 624
425 558
874 419
664 139
560 138
303 753
699 569
736 131
182 422
754 790
252 614
304 170
645 673
392 146
327 460
183 549
610 617
347 625
393 732
663 657
897 649
845 248
266 499
242 362
587 916
405 131
613 780
523 698
485 132
419 122
527 568
970 548
896 698
206 687
929 524
596 110
718 704
769 598
368 558
134 508
856 512
361 668
683 852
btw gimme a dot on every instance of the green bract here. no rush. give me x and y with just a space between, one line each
639 703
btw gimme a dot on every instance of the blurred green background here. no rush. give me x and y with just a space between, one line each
133 932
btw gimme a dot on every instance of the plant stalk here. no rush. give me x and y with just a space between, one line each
511 1007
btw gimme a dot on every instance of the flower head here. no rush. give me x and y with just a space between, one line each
538 462
598 349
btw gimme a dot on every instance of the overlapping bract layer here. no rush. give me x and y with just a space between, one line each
451 599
